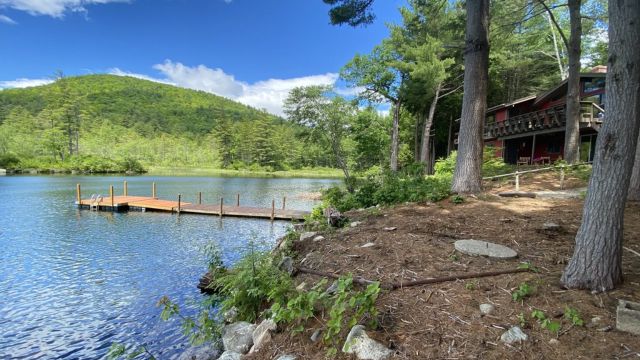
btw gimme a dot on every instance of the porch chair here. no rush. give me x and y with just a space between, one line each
523 160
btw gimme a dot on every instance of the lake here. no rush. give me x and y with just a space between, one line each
73 281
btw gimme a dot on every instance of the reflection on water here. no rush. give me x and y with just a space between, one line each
72 282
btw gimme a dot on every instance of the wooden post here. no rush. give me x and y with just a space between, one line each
200 198
284 202
126 190
238 199
153 190
179 200
221 203
273 209
111 194
517 181
78 196
561 177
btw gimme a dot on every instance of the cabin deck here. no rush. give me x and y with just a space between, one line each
123 203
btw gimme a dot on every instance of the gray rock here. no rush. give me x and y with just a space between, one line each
360 344
514 335
308 235
286 265
355 223
551 226
332 288
315 337
230 315
3 172
368 245
302 286
628 317
318 238
286 357
483 248
200 353
262 334
230 355
391 228
487 309
238 337
298 227
554 341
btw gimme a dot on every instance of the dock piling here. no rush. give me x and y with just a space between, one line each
238 199
200 198
284 202
111 195
179 201
273 209
78 194
153 190
221 203
126 190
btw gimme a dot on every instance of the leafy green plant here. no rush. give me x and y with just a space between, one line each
457 199
206 327
524 290
471 285
300 307
546 323
527 266
118 350
522 320
573 316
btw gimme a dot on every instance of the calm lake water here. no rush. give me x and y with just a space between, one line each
72 281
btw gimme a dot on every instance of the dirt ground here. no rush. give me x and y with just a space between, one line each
443 321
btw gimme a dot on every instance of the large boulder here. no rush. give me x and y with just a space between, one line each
200 353
307 235
365 348
238 337
483 248
230 355
262 334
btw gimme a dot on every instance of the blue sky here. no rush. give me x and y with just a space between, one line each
252 51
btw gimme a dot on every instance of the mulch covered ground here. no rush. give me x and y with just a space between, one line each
443 321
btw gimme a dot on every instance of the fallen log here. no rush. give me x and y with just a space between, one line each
517 194
404 284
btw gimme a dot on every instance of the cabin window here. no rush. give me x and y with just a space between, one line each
593 85
553 147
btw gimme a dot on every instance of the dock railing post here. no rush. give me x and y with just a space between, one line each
111 195
126 190
284 202
78 195
200 198
517 181
238 199
221 203
562 177
179 200
153 190
273 209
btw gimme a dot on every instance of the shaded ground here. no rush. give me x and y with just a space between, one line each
443 321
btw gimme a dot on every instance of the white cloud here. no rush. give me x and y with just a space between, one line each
54 8
23 83
266 94
119 72
7 20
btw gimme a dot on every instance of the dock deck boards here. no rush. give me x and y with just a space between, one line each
149 203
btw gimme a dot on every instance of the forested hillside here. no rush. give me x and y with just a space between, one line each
106 122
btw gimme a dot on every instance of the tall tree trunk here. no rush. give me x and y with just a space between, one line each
425 151
597 259
395 134
450 137
467 177
563 73
572 132
634 185
417 136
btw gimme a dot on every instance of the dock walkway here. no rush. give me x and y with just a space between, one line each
143 203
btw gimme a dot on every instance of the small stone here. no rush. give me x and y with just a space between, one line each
514 335
238 337
554 341
368 245
551 226
286 357
230 315
628 317
262 334
302 286
200 353
487 309
391 228
230 355
483 248
315 337
308 235
355 223
332 288
359 343
298 227
318 238
595 321
286 265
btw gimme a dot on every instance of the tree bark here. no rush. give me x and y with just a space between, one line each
468 172
634 185
395 134
425 150
596 263
572 130
450 137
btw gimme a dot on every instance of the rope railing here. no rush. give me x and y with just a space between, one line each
517 174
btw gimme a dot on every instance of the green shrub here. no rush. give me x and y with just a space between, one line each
491 164
9 161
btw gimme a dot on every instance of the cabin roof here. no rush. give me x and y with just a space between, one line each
509 104
561 88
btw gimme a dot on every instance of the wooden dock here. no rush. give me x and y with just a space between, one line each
143 203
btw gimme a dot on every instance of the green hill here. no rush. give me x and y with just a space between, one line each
111 123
